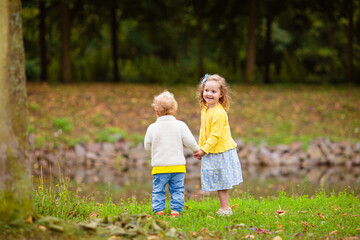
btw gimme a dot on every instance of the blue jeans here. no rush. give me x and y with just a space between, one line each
176 189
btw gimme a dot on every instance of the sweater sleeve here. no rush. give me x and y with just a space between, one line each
188 138
147 140
217 125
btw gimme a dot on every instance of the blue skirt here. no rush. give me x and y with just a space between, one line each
220 171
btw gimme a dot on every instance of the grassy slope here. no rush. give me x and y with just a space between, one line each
275 114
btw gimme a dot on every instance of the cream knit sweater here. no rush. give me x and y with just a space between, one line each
164 140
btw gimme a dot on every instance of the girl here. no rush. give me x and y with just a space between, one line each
220 166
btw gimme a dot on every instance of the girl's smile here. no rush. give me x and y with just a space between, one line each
212 93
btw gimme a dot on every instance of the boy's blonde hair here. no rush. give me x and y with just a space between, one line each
165 104
224 89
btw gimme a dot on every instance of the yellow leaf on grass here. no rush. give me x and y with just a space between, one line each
29 220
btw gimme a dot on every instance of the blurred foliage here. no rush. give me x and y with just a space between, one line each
158 40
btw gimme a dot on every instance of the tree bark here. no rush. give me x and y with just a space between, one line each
350 42
43 48
114 43
267 50
200 37
65 43
15 170
250 57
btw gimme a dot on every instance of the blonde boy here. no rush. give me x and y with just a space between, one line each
164 140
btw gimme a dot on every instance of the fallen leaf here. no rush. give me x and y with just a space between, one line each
151 237
335 207
241 225
29 220
277 238
305 224
358 229
203 229
41 227
333 232
234 206
93 215
249 236
280 212
321 215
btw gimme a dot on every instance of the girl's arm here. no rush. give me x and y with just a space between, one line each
217 126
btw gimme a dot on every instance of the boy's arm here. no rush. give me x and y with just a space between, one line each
188 139
147 140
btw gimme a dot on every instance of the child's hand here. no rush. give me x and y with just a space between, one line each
199 154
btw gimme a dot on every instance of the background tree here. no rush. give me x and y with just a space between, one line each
42 36
65 43
162 42
15 171
250 53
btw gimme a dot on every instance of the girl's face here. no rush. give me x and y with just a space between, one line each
212 93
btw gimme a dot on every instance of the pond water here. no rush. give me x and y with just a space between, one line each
259 182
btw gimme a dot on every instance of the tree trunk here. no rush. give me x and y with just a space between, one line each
200 37
65 43
250 57
15 171
114 42
350 42
267 50
43 48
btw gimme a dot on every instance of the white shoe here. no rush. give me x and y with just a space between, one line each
227 212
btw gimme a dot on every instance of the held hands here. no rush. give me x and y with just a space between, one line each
199 154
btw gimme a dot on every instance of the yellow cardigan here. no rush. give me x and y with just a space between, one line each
215 135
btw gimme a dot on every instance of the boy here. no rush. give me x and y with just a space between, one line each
164 140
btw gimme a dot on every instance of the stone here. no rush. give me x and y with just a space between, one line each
94 147
292 160
80 150
314 152
265 156
108 148
92 156
296 147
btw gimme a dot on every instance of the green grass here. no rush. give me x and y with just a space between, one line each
318 217
277 114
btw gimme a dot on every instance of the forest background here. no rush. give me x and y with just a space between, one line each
176 42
